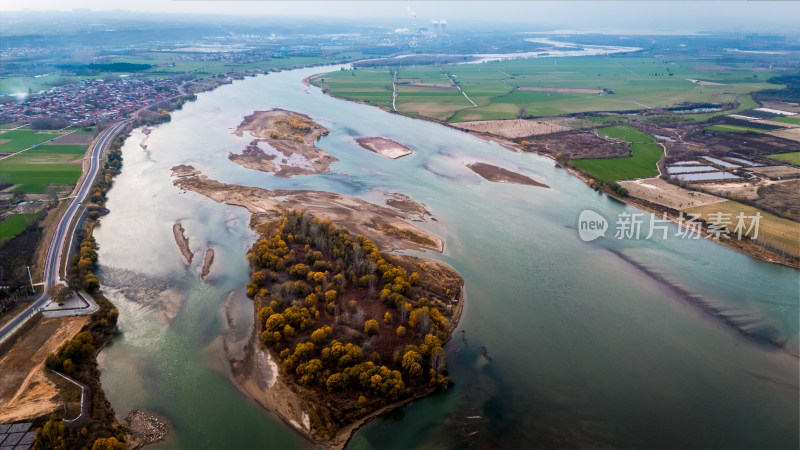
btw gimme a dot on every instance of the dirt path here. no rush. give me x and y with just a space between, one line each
394 91
461 90
25 389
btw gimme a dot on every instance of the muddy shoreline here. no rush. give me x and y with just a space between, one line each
500 175
388 227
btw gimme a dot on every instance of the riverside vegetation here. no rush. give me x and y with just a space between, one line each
77 357
352 329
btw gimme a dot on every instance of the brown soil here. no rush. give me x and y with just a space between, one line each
291 134
781 199
579 144
383 146
207 261
660 191
564 90
501 175
182 241
357 215
26 391
72 139
517 128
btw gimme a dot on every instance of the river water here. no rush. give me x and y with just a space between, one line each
626 343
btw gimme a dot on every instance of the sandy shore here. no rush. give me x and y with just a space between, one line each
183 242
501 175
387 227
383 146
514 128
284 144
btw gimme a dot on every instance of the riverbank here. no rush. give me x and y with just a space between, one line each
744 246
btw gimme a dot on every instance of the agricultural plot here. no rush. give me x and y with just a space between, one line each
636 83
791 158
372 86
15 224
735 128
794 120
773 231
642 163
42 166
15 140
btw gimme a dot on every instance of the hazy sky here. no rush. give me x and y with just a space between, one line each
757 16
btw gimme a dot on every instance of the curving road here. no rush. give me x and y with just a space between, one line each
62 238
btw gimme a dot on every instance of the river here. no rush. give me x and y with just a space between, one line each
626 343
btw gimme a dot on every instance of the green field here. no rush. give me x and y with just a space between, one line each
16 140
642 164
165 64
791 158
735 129
794 120
15 224
637 83
44 165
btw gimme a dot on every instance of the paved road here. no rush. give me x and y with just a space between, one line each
61 237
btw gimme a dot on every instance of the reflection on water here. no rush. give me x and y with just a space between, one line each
586 344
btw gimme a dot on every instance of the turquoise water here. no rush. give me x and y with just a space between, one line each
627 343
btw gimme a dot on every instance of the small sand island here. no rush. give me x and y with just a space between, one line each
383 146
208 259
501 175
284 144
183 242
353 332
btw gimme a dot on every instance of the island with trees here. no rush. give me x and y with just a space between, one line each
354 332
283 144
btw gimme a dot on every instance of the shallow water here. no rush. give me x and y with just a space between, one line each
631 343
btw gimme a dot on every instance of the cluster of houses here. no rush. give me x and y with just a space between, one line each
88 102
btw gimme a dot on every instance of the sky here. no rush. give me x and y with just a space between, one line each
752 16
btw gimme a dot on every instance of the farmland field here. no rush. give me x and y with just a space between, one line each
794 120
14 225
636 83
16 140
791 158
772 230
44 165
642 164
735 129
